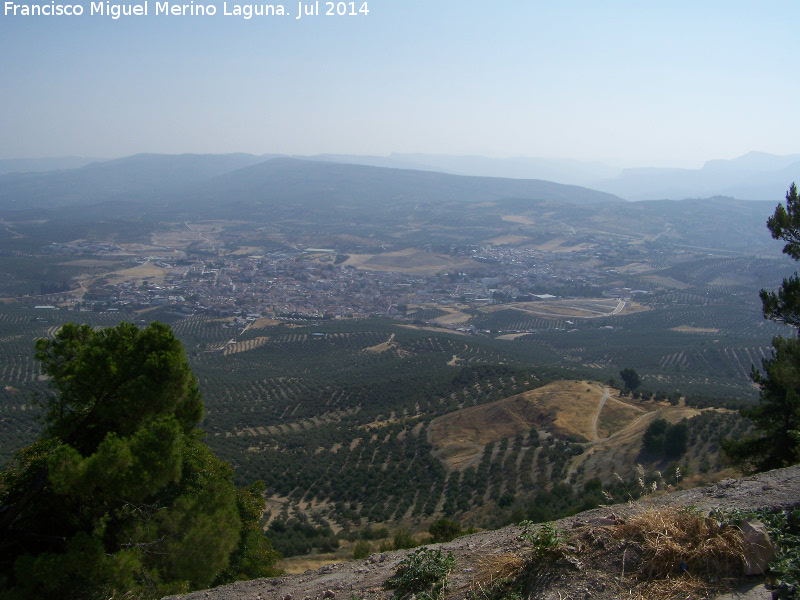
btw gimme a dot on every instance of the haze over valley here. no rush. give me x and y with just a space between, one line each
345 312
436 267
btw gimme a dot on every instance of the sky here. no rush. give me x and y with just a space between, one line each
629 83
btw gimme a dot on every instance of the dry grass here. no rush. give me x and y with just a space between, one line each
410 260
264 322
300 564
615 416
678 551
564 406
521 219
656 554
494 568
510 239
141 272
383 347
453 317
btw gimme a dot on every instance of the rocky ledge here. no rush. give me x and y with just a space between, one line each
366 579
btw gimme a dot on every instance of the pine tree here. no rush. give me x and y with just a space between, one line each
120 495
777 415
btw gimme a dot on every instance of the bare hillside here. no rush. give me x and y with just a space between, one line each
608 426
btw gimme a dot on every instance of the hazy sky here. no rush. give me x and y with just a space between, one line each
645 82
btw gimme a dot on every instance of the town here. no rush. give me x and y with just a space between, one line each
298 282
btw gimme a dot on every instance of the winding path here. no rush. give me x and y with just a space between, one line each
600 405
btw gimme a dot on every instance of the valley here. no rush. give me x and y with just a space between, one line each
387 348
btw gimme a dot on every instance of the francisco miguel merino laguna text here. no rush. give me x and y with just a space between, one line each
246 11
115 11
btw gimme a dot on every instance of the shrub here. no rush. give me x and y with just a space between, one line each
423 573
444 530
403 539
362 550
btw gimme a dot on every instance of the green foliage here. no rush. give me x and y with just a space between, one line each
423 573
666 440
784 305
362 549
631 378
777 415
444 530
270 399
374 533
114 380
298 535
120 495
784 530
546 541
254 557
403 539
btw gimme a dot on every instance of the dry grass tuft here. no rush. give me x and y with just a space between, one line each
497 567
673 551
656 554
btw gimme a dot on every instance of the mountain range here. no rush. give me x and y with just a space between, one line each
151 179
753 176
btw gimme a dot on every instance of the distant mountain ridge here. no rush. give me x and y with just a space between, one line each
146 178
754 176
142 177
221 179
566 171
41 165
331 181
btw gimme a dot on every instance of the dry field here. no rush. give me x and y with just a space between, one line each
617 452
521 219
576 408
454 316
264 322
410 260
176 239
612 427
510 336
247 251
509 240
559 245
140 272
589 308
